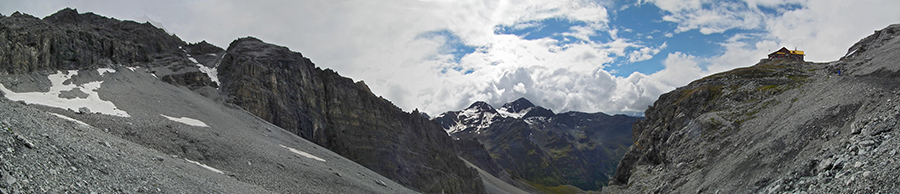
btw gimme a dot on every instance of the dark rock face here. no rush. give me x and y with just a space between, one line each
519 105
472 150
879 38
272 82
547 149
69 40
192 80
285 88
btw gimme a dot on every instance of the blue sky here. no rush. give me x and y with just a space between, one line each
567 55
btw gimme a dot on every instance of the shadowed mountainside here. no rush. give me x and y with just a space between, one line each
285 88
548 150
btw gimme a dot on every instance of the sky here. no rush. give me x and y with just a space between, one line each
615 57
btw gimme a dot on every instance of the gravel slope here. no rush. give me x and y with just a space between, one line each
150 153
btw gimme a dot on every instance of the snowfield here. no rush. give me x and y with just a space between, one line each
53 99
205 166
302 153
211 72
186 121
69 118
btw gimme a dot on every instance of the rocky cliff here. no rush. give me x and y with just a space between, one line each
285 88
140 134
777 126
269 81
546 149
69 40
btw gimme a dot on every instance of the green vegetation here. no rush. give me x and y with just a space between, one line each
714 91
561 153
715 123
767 87
798 78
561 189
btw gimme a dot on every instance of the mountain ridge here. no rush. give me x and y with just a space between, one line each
285 88
777 126
539 148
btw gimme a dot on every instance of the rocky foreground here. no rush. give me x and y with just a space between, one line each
778 126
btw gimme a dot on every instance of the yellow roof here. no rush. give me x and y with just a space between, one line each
796 52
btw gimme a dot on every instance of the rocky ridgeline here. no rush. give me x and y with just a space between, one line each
270 81
552 152
285 88
68 40
777 126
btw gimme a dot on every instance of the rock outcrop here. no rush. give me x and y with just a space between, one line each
285 88
69 40
547 150
778 126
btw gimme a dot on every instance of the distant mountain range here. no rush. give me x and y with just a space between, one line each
541 147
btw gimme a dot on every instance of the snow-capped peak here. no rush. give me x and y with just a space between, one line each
507 112
480 106
481 115
518 106
516 109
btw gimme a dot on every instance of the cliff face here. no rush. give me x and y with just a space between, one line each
69 40
777 126
272 82
286 89
160 137
551 151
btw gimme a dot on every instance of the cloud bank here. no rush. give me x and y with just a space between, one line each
440 55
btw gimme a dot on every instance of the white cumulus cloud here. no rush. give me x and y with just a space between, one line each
379 42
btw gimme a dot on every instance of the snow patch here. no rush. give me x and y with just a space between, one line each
70 119
105 70
132 68
212 73
51 98
302 153
193 60
852 52
205 166
471 118
504 112
187 121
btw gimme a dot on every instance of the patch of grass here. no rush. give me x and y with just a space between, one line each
714 92
798 78
561 153
561 189
715 122
767 87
